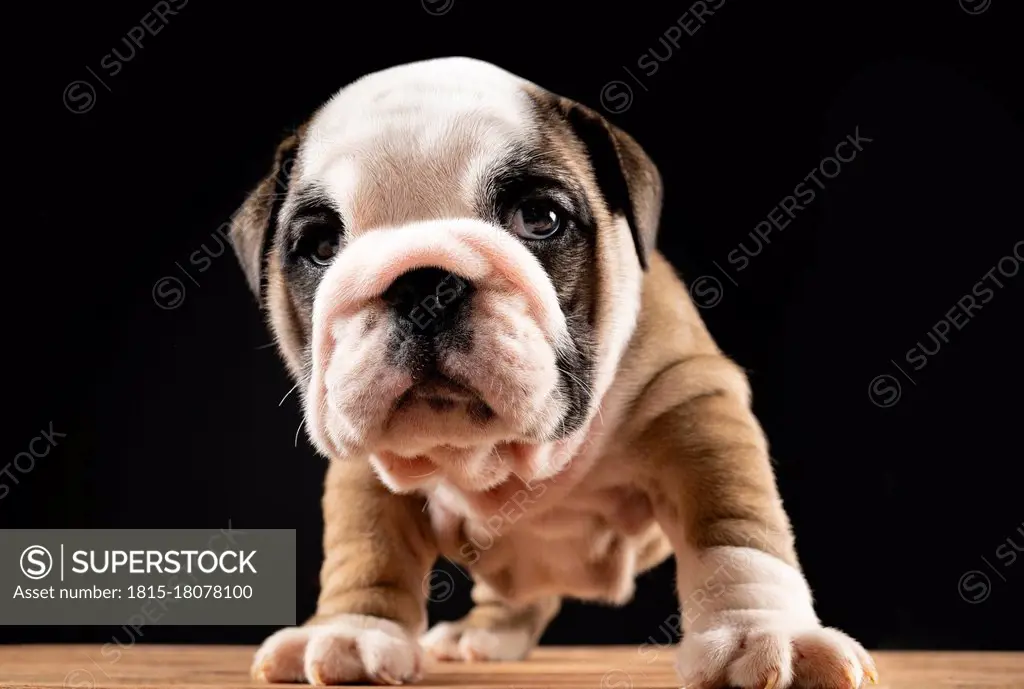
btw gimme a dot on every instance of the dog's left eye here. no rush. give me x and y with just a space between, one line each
537 220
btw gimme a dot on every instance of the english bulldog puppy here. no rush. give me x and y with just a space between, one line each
459 268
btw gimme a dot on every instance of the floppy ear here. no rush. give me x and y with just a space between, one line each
628 178
254 224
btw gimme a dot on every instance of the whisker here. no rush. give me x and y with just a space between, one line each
579 382
286 394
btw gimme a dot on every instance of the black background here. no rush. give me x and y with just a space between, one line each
172 416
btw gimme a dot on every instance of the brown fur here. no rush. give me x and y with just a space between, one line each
378 550
705 458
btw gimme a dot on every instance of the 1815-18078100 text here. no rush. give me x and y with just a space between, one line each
190 591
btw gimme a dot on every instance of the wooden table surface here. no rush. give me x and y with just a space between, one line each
216 667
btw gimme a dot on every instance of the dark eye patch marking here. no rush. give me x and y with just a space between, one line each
312 216
528 173
313 208
524 174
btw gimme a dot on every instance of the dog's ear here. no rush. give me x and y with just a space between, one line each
254 224
628 178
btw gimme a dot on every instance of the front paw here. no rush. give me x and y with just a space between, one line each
347 649
458 641
762 655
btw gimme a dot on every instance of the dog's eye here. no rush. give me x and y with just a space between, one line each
537 220
326 249
320 244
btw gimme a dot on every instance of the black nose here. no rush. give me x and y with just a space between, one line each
430 299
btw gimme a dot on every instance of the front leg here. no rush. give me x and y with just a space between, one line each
748 617
378 548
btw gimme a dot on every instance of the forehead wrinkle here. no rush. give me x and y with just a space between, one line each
406 177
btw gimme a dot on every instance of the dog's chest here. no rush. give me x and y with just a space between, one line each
589 543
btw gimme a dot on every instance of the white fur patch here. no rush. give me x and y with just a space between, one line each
620 303
749 622
450 641
406 94
349 648
727 579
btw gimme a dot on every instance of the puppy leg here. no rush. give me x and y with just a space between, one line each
748 618
493 629
377 550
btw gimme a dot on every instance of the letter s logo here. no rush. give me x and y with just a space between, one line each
36 562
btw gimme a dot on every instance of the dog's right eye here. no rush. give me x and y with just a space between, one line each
319 244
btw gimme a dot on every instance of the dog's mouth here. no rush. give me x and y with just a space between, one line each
441 428
442 389
441 394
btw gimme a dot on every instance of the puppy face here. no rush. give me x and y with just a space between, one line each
452 271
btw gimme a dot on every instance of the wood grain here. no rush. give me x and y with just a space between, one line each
218 667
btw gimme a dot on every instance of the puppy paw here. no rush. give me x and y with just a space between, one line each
768 657
347 649
455 641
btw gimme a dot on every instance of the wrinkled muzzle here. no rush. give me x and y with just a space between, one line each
435 350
